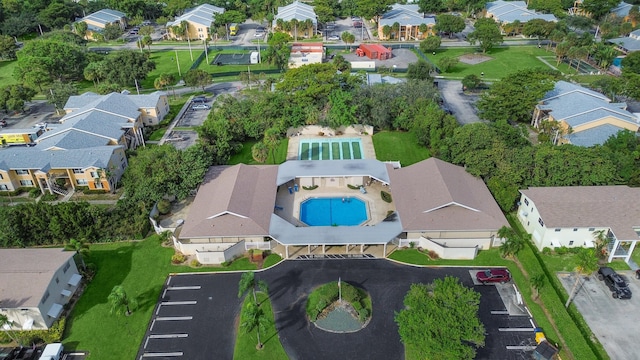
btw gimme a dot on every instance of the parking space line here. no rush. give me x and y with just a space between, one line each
499 312
158 309
532 324
525 348
178 303
516 329
167 354
168 336
172 318
152 323
197 287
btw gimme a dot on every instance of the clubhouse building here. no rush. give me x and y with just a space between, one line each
354 207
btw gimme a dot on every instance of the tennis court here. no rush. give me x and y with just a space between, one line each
330 149
232 59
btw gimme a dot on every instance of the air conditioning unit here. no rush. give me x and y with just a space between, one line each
524 213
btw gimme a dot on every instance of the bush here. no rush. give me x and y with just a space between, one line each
178 258
357 306
310 187
61 182
385 196
49 197
433 255
353 187
321 305
546 250
90 271
350 293
562 250
34 193
164 206
195 263
363 314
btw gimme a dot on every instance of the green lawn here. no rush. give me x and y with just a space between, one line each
157 135
166 64
141 268
504 60
244 155
246 342
399 146
6 72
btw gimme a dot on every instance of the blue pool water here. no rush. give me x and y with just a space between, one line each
617 62
348 211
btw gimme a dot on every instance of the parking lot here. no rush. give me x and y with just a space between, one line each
196 316
613 321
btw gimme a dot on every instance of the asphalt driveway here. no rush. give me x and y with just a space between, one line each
206 308
461 105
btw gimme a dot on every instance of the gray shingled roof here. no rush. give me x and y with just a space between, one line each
622 9
202 15
26 273
104 16
594 136
335 168
295 10
628 43
67 140
435 195
15 158
147 100
510 11
578 106
405 15
616 207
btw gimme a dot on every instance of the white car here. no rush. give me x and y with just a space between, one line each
333 38
259 34
201 107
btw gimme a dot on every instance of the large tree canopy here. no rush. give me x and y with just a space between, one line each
42 61
501 103
486 34
124 67
440 320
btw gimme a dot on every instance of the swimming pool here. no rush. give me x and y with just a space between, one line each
330 149
618 62
346 211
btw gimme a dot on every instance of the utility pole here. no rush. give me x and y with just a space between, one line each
178 62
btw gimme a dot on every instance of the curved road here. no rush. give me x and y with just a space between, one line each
461 105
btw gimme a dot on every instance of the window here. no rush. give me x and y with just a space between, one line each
22 172
575 229
81 181
66 267
526 202
1 177
4 187
45 297
570 242
592 229
26 182
99 185
78 171
558 230
540 222
94 174
57 280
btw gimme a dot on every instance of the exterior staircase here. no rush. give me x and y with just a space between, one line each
58 190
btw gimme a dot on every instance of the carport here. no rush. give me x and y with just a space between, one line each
350 237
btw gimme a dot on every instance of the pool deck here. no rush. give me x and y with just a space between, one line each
312 133
377 208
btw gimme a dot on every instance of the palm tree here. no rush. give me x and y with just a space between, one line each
513 243
6 324
254 317
185 31
118 299
80 247
294 27
249 282
601 242
586 263
308 25
537 282
386 31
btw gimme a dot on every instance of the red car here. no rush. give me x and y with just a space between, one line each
493 276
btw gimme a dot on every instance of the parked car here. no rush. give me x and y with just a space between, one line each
199 99
493 276
258 34
615 283
201 107
333 38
